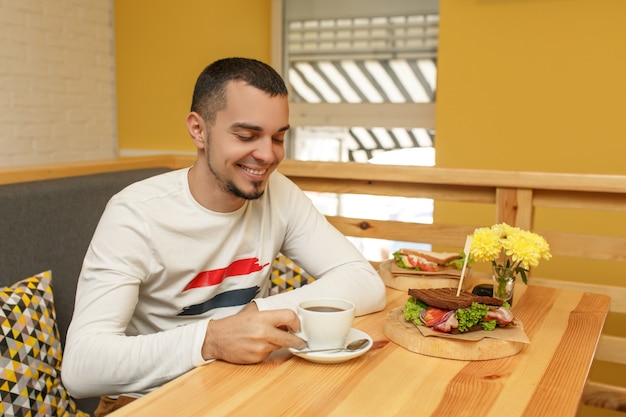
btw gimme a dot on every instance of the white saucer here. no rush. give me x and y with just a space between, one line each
337 357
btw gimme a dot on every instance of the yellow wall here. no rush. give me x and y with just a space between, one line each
532 85
161 47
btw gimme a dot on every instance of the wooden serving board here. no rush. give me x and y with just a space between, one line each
406 334
405 282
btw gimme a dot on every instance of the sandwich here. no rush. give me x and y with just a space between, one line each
442 310
427 261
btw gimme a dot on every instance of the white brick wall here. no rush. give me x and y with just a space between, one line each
57 81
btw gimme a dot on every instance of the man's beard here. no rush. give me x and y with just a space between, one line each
231 188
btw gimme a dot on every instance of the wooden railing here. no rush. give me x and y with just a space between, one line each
512 197
47 172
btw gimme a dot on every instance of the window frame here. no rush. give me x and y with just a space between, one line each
368 115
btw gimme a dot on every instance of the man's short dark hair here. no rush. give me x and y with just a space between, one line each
209 94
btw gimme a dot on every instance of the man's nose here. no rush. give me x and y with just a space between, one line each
264 150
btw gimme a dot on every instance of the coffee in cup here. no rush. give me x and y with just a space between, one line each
325 322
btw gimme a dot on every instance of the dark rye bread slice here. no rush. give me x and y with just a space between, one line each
446 298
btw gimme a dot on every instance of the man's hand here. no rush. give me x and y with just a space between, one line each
250 336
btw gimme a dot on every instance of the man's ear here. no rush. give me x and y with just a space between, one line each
197 129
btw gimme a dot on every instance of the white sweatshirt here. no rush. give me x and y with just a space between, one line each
160 266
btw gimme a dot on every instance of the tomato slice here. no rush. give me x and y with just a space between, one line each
432 316
411 261
425 266
420 263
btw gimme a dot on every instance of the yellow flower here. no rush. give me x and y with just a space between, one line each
506 246
485 245
526 248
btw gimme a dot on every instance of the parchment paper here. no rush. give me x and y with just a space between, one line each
511 333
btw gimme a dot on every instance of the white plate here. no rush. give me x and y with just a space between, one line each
337 357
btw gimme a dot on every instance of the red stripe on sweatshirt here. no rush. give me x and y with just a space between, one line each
216 276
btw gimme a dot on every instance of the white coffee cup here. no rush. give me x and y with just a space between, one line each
325 322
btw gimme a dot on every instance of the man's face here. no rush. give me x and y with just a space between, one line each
246 143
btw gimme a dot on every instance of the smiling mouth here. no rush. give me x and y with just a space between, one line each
254 171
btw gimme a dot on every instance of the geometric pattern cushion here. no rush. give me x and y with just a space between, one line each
287 276
30 383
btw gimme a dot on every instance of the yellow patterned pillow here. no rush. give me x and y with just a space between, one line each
30 383
287 276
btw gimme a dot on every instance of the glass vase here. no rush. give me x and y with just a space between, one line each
503 283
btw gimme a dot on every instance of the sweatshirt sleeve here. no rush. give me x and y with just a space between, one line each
340 270
131 364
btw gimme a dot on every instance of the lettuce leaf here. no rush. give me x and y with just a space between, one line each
400 261
412 310
457 263
469 317
489 325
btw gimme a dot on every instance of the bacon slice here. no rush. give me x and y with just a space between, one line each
448 323
438 319
501 314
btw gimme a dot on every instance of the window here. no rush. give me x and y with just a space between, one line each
362 78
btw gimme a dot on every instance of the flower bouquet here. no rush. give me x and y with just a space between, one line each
511 251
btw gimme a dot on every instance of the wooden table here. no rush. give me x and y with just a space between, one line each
546 378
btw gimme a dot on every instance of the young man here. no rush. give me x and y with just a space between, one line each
177 273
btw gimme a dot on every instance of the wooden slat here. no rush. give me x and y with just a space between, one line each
593 386
604 396
452 176
525 211
445 235
514 207
580 200
506 205
388 188
605 248
612 349
44 172
183 161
